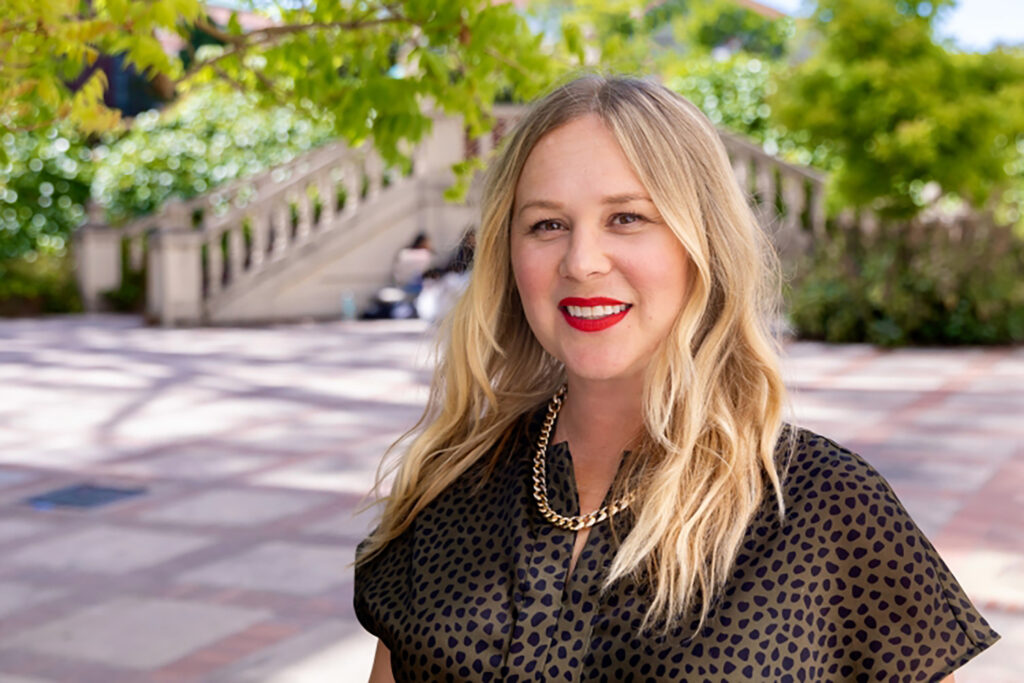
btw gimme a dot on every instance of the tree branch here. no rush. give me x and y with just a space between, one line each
355 25
506 61
198 66
265 37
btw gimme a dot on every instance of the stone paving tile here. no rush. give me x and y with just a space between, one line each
136 633
317 655
347 525
14 529
200 461
291 568
17 596
930 474
320 474
233 508
108 550
11 477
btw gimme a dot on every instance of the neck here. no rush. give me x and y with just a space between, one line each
601 413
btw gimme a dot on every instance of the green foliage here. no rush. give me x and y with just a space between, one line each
374 68
44 184
733 93
208 138
676 40
727 23
914 283
39 283
901 111
46 44
628 37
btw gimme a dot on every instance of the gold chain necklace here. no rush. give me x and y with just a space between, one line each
540 491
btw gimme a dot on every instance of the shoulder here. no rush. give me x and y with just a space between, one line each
860 557
814 467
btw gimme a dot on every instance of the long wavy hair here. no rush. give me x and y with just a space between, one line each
713 394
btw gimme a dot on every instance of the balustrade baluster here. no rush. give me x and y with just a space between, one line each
818 209
353 187
236 251
741 169
280 227
305 210
214 263
868 223
259 224
375 172
764 180
793 198
328 199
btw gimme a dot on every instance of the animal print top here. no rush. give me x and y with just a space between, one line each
844 588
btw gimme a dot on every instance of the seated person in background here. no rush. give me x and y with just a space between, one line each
410 264
443 286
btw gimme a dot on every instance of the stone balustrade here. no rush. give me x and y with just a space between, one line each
202 249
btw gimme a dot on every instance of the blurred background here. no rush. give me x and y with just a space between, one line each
227 230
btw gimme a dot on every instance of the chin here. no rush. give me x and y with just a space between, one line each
602 371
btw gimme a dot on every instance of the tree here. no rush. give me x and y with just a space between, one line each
374 66
634 37
903 113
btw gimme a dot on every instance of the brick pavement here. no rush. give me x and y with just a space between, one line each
255 446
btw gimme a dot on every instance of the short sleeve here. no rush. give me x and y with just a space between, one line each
887 607
380 589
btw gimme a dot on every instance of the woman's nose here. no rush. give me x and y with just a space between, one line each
586 254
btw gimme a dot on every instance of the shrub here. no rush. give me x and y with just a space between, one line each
208 138
913 283
40 283
44 183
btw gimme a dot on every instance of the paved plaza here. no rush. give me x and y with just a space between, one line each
250 449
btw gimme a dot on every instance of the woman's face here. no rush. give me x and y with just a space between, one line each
600 275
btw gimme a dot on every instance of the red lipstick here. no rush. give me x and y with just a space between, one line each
592 324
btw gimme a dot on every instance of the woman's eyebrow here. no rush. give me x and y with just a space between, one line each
626 198
610 199
539 204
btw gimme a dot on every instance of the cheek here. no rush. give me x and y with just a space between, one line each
667 279
530 277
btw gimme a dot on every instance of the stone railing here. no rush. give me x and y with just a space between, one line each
210 247
789 200
212 241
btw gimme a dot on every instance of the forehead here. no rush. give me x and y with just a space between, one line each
578 160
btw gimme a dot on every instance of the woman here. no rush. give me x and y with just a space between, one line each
611 357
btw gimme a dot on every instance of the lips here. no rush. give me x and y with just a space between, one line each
593 314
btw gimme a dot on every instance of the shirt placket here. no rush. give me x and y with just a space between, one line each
540 578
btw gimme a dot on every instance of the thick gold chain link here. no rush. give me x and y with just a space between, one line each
540 491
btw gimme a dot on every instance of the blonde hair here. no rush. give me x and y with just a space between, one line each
713 393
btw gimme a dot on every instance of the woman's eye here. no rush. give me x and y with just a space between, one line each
626 218
546 226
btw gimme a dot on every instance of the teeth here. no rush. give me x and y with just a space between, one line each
593 312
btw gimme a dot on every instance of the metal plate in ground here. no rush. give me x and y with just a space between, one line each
82 496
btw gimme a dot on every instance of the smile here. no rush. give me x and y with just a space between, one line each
593 315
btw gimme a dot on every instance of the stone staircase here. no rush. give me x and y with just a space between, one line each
292 243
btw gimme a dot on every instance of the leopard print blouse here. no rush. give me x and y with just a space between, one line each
844 588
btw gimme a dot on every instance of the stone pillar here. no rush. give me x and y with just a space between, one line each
442 147
175 285
97 248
